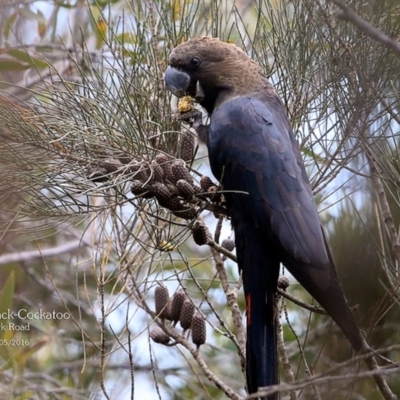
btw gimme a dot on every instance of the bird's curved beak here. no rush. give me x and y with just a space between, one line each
182 84
178 82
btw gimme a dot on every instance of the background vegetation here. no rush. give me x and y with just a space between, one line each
84 111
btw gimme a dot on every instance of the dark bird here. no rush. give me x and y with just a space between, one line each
254 154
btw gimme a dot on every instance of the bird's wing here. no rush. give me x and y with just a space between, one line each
253 150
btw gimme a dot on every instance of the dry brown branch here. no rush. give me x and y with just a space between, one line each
231 296
349 15
180 339
320 380
286 365
42 253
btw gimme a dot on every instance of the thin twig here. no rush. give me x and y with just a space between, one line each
180 339
231 296
323 380
349 15
45 253
286 365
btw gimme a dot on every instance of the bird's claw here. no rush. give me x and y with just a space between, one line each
193 117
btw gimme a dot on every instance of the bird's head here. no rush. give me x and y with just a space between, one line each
211 71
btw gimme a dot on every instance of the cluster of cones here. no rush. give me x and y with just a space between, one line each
171 183
178 309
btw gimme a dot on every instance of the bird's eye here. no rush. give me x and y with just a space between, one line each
195 62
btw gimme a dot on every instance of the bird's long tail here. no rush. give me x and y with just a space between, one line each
324 286
260 274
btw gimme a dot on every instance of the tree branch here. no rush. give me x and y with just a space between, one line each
349 15
37 254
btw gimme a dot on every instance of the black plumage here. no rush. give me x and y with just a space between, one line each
254 154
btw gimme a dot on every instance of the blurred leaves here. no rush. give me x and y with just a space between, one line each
6 300
26 58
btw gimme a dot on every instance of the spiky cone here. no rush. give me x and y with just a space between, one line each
187 212
283 282
185 189
187 146
138 189
180 171
199 193
98 174
161 299
186 315
199 331
173 203
206 183
156 171
159 336
214 195
176 305
178 208
228 244
164 162
111 165
161 192
200 233
139 170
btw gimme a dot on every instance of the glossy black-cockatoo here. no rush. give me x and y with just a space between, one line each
254 155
